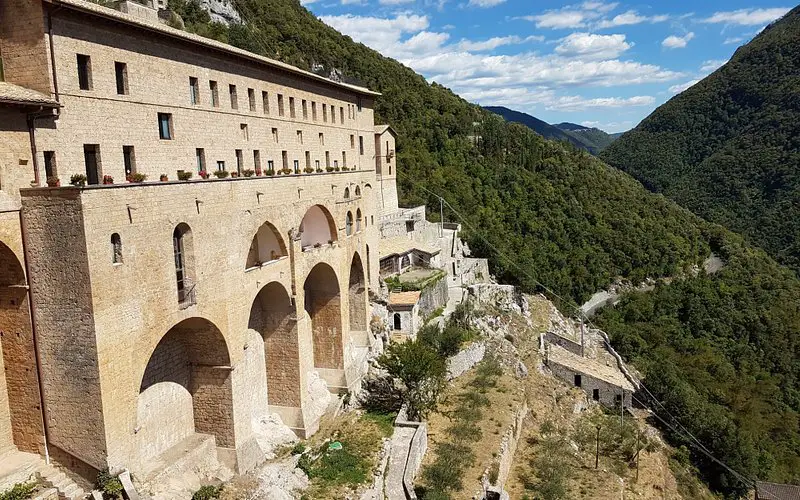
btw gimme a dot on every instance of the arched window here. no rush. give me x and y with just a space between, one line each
116 249
358 190
346 193
184 272
349 224
397 325
358 220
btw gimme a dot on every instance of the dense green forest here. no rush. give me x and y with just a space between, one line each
593 139
728 148
719 350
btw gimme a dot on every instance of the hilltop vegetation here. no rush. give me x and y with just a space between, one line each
728 148
593 139
574 223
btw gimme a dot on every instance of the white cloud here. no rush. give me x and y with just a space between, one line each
577 103
712 65
747 17
308 2
485 3
591 46
571 16
493 43
354 2
382 34
734 39
677 42
610 127
394 2
676 89
629 18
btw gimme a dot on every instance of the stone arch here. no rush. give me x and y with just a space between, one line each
17 359
273 316
183 255
323 305
185 389
358 190
348 224
317 226
267 245
346 193
357 296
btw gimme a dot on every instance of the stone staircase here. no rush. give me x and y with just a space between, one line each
17 467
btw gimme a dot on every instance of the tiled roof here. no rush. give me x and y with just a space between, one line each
379 129
14 94
159 27
403 298
775 491
400 245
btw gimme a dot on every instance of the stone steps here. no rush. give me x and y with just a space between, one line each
54 478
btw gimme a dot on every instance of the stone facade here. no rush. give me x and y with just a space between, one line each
167 310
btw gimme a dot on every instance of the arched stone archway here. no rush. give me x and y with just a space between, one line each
357 296
18 376
185 389
323 305
317 227
266 246
273 316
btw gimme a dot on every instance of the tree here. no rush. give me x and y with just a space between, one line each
420 373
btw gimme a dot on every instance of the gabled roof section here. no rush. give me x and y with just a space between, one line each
404 298
21 96
108 13
401 245
380 129
775 491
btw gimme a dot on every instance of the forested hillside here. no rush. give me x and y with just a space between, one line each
594 139
541 127
721 351
728 148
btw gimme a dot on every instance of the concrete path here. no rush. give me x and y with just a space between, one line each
401 442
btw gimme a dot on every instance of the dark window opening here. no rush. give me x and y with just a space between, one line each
234 98
91 158
577 380
165 126
121 73
200 155
128 160
194 90
116 249
214 93
50 170
84 72
596 394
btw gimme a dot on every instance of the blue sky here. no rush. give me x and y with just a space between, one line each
603 64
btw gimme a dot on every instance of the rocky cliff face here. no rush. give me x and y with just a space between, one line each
221 11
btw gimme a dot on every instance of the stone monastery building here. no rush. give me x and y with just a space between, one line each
135 315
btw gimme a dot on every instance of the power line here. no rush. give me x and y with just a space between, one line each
692 440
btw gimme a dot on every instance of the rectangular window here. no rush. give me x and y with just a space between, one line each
333 113
297 166
256 159
321 139
291 107
275 135
265 102
251 97
344 159
313 111
121 74
308 159
91 158
335 164
165 126
129 160
194 90
270 165
220 165
352 141
577 380
239 161
341 115
200 155
300 136
280 104
304 104
596 394
316 164
50 164
214 93
234 97
327 159
84 72
361 144
285 159
358 103
245 134
325 113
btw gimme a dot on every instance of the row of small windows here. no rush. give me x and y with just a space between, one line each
200 157
84 63
349 222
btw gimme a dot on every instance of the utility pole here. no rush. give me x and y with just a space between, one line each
441 217
597 449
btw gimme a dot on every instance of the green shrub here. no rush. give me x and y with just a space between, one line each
78 180
421 372
298 448
208 492
248 172
185 175
381 395
109 484
220 174
20 491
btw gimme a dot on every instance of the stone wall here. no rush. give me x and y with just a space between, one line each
474 271
22 43
567 344
508 447
465 359
607 392
433 297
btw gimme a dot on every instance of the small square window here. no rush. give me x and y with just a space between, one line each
50 169
165 126
220 165
245 134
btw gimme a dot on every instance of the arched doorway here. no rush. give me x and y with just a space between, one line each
266 246
185 389
357 296
397 325
17 360
273 316
323 305
317 227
